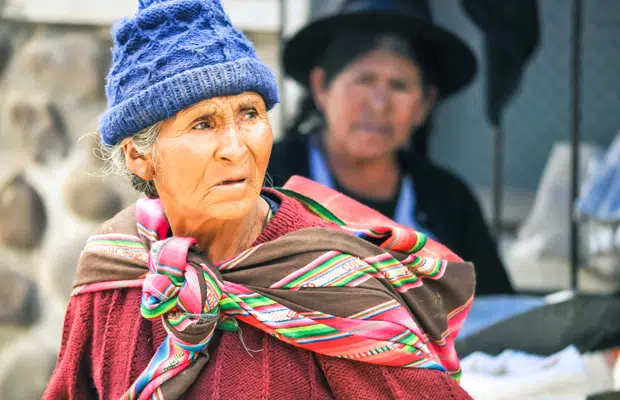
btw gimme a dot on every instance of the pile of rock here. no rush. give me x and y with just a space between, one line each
52 192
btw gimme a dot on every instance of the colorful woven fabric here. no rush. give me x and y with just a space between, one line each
378 308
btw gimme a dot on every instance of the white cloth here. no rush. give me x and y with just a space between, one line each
515 375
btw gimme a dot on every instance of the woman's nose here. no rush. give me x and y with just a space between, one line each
232 146
380 98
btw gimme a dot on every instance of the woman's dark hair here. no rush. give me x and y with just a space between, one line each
344 49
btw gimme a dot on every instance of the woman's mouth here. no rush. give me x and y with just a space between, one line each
375 129
232 182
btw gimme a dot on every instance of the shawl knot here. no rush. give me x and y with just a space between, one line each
184 293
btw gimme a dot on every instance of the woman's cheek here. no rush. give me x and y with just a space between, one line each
183 168
260 140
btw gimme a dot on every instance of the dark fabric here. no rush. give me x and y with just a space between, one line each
386 207
274 203
444 206
587 321
512 32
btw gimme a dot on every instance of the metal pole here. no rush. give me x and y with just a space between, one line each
498 175
281 32
575 138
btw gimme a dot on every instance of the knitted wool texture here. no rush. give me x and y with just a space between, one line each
171 55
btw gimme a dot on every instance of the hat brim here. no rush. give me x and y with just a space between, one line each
454 60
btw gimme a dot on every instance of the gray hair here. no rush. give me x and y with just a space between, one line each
115 162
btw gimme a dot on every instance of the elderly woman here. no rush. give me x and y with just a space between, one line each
211 286
374 71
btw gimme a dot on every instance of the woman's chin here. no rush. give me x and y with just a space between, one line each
232 206
365 153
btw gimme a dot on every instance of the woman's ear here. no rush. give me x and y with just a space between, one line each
431 95
137 163
317 86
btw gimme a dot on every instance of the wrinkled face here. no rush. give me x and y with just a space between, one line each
372 106
211 158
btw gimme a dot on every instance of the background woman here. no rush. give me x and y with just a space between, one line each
375 71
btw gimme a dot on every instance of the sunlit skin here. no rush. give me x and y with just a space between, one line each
371 108
208 166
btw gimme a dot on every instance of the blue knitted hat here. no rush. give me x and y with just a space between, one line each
173 54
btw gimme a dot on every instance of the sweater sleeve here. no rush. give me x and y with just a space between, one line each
72 378
357 380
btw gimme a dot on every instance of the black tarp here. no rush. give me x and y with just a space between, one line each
512 32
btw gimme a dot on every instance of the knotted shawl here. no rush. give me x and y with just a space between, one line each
373 294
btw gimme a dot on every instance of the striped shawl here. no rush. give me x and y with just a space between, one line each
369 290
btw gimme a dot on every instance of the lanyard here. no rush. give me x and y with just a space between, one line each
405 207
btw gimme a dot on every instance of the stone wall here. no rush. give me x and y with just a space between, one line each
53 194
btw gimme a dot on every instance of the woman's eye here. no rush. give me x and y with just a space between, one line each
250 114
364 79
202 126
401 86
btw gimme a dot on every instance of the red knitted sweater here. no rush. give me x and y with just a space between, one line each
106 344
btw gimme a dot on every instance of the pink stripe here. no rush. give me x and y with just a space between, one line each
359 280
236 289
238 259
150 213
309 267
427 268
289 324
174 252
400 316
190 295
409 286
110 285
378 258
270 308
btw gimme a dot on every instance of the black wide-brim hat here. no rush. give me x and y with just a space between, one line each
453 60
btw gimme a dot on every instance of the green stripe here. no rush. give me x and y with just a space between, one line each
434 271
227 324
325 265
404 280
380 350
258 301
126 243
176 280
416 261
212 284
390 262
229 304
456 375
436 268
232 302
420 243
302 332
313 205
161 309
410 339
347 279
375 233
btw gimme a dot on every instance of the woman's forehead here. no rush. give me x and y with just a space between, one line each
384 60
219 104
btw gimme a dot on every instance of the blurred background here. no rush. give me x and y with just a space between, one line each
54 55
